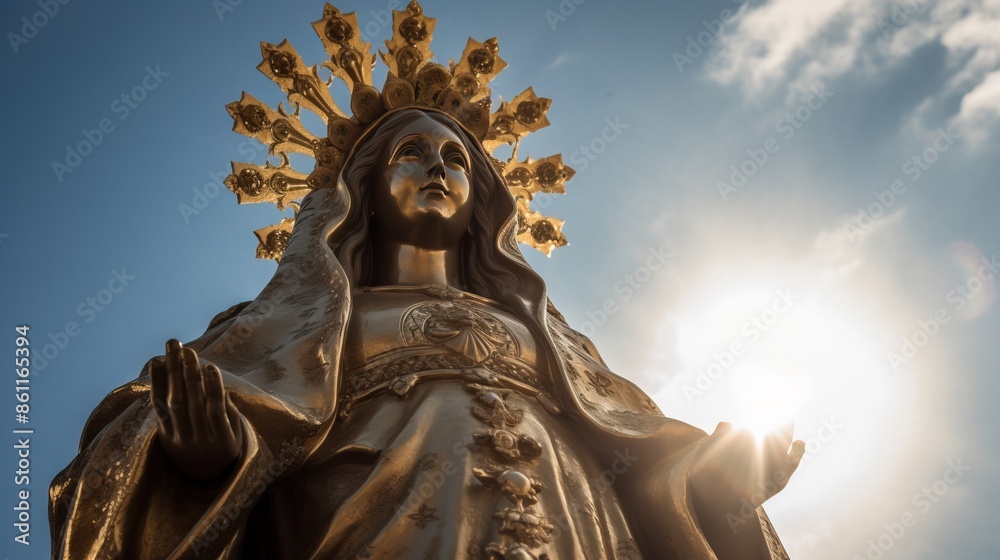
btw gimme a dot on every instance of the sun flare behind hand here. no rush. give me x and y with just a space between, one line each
786 345
767 402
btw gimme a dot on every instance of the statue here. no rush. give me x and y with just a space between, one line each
403 387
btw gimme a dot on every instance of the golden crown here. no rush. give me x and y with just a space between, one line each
414 79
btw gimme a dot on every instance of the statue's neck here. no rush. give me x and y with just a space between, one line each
397 263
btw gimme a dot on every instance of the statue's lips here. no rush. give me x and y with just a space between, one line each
435 187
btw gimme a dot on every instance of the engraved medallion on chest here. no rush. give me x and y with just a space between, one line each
459 327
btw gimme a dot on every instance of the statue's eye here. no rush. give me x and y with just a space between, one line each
408 153
456 160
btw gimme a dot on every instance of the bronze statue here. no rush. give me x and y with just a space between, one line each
402 387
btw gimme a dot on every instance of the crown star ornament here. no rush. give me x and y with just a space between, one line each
414 80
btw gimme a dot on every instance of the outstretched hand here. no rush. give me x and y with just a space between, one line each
197 423
734 469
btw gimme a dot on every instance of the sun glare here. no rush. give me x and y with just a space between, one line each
802 347
767 402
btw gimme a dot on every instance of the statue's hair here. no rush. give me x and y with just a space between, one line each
483 267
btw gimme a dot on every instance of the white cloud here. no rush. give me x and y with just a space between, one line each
980 110
559 60
841 248
777 39
795 44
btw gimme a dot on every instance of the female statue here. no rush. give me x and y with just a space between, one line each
402 388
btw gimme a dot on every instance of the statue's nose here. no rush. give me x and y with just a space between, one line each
435 168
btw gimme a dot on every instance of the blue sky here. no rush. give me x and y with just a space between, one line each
782 211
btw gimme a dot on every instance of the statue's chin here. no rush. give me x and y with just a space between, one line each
433 227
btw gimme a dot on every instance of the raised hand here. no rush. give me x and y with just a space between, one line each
734 469
197 423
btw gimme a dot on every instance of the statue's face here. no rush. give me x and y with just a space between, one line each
423 193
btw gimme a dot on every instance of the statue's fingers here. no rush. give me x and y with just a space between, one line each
176 392
156 370
730 446
215 402
722 442
795 454
233 415
195 390
782 455
711 446
722 429
792 459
